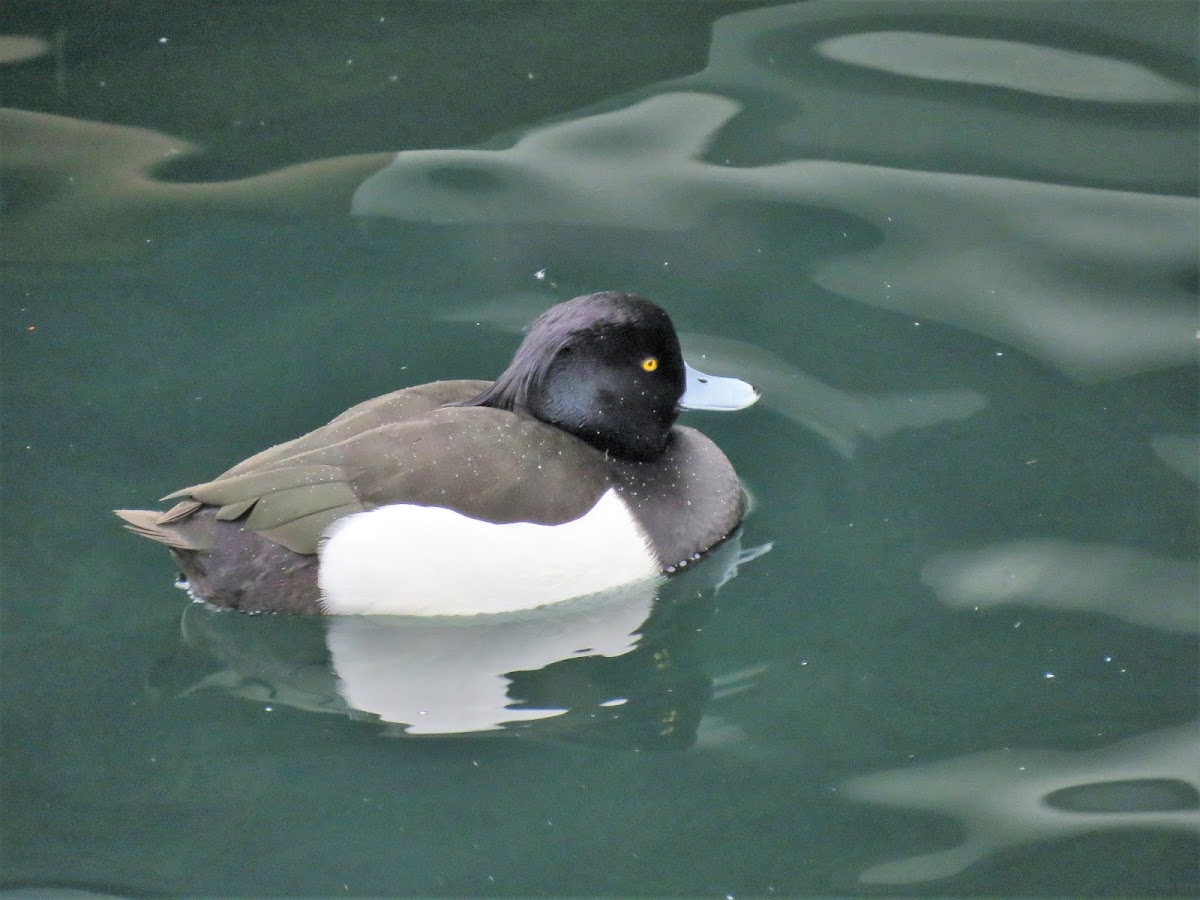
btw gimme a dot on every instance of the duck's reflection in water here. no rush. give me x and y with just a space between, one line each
450 676
616 668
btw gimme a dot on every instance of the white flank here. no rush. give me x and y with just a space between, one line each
425 560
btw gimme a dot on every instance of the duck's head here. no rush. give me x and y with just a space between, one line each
607 368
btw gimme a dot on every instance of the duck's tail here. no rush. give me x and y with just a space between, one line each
161 526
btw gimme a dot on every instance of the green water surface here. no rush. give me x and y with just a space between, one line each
953 242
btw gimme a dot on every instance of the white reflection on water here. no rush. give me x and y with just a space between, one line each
771 54
426 675
15 48
843 418
1005 798
1010 64
95 193
1180 452
1084 279
1130 584
636 167
450 677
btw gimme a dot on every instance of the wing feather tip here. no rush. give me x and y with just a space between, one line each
147 523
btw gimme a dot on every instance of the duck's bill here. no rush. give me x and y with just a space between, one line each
716 392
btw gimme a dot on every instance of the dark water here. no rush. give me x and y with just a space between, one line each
955 244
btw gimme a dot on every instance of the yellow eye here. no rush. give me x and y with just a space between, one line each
650 363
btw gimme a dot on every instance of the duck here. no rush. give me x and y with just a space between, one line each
566 476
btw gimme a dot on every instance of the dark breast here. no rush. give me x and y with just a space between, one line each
687 501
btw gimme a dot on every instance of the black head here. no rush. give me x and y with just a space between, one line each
605 367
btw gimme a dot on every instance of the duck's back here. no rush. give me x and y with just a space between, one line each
388 409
